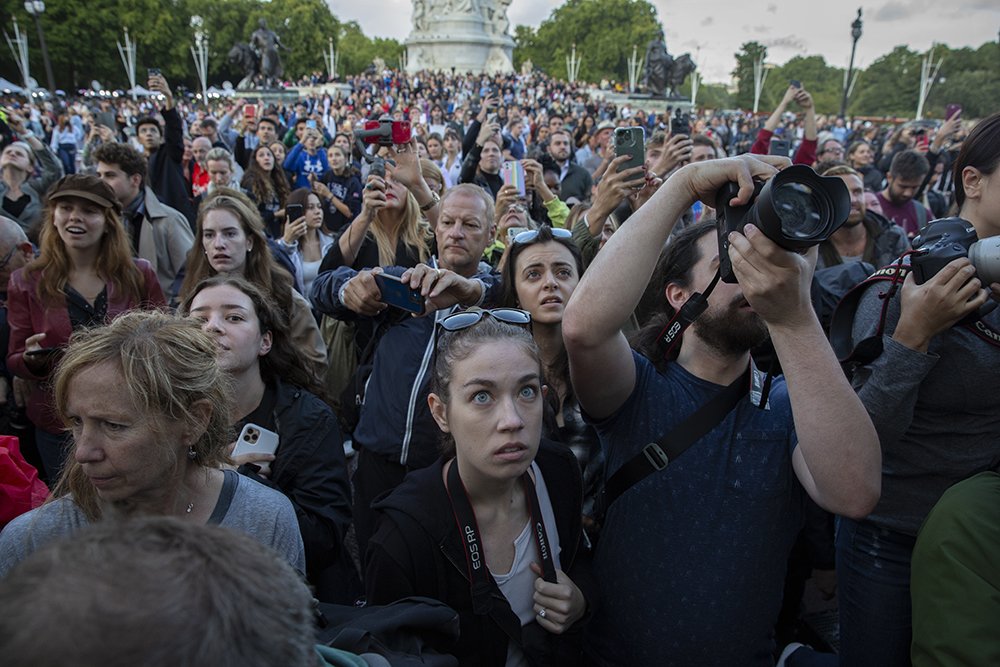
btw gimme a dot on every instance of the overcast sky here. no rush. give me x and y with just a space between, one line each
713 30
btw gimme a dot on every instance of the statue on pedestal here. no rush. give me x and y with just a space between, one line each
259 60
663 74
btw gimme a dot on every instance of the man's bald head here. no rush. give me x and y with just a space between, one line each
15 249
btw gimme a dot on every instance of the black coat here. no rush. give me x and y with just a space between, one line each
165 175
309 468
417 550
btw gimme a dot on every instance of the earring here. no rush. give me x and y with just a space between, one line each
192 454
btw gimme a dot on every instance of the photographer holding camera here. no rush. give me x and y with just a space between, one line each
704 542
932 395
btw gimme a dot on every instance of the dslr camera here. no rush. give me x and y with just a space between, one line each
385 131
948 239
796 209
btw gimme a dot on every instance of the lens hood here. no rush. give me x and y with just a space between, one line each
798 208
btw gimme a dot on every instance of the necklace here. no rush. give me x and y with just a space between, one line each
189 507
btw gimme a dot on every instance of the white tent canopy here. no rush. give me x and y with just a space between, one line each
6 85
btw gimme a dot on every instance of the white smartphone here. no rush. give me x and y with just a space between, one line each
256 439
514 231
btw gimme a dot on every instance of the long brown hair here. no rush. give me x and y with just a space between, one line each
284 361
265 186
261 269
114 260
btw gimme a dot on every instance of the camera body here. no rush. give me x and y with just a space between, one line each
940 242
945 240
796 209
680 123
385 132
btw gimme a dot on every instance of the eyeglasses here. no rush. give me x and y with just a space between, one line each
468 318
531 235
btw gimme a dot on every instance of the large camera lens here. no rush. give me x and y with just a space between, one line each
985 256
799 209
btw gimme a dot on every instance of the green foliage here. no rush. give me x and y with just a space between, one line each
748 54
604 32
81 37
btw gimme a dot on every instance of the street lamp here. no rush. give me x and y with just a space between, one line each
855 35
36 8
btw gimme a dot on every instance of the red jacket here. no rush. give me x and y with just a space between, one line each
27 315
805 154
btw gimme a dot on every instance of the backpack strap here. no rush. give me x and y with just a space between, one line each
842 322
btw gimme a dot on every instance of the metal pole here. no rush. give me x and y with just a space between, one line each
928 75
128 60
855 36
19 49
759 75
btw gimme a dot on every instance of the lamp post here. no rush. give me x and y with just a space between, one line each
855 35
573 65
127 53
760 70
35 8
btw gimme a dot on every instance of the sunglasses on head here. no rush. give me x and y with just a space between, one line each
531 235
468 318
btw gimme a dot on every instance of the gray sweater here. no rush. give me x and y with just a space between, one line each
244 505
937 414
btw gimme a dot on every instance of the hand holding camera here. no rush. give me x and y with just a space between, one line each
952 294
373 198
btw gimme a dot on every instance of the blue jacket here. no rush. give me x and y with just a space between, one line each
300 164
395 420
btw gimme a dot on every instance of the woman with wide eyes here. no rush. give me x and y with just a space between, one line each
304 241
493 527
84 276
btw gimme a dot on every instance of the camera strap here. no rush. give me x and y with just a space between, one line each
669 338
480 580
868 349
657 455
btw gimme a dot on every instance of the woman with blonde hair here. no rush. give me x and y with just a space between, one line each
84 276
148 408
233 241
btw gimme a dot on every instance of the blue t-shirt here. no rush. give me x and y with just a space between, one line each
691 561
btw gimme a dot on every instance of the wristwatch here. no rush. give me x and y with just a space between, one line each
435 200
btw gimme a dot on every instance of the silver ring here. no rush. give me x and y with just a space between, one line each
541 613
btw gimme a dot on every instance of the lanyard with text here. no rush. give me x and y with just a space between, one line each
472 543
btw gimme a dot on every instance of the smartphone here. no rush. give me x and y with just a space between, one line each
311 124
256 439
795 83
952 110
514 231
153 71
629 141
780 147
293 212
396 293
249 111
513 174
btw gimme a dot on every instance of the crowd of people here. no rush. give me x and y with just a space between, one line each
497 369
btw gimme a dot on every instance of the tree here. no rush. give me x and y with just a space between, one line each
305 27
748 54
604 32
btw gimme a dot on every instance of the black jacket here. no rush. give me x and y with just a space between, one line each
309 468
417 550
165 174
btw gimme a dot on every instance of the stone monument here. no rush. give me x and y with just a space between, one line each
663 74
468 35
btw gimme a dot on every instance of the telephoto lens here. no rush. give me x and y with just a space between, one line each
985 256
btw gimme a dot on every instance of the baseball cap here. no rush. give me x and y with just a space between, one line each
84 186
604 125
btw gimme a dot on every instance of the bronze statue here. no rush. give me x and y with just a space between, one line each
658 63
265 43
663 74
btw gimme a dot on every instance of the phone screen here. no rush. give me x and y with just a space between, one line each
293 212
311 124
249 111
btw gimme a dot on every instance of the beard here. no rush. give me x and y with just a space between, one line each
730 330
